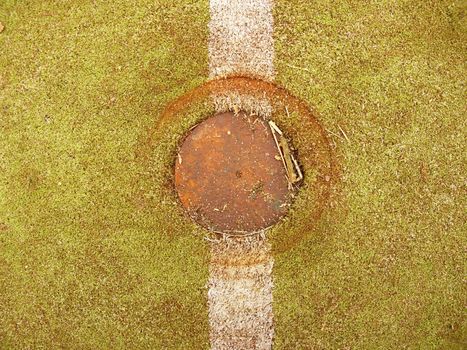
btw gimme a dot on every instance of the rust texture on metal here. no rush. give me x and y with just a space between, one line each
229 176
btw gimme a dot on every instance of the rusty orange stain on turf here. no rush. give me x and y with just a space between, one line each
318 154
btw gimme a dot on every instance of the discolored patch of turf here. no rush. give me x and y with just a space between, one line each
384 268
90 255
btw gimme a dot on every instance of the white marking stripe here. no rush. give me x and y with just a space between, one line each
240 282
240 38
240 297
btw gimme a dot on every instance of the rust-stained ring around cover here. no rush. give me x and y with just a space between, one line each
314 149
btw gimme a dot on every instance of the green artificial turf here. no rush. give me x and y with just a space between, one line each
90 257
93 250
385 267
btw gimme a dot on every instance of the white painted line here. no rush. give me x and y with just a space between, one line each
240 296
240 282
241 38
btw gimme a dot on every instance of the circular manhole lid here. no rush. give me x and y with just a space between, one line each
229 174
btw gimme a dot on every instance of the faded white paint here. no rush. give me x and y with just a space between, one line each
241 38
240 295
240 282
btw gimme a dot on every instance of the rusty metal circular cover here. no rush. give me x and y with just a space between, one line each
229 175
